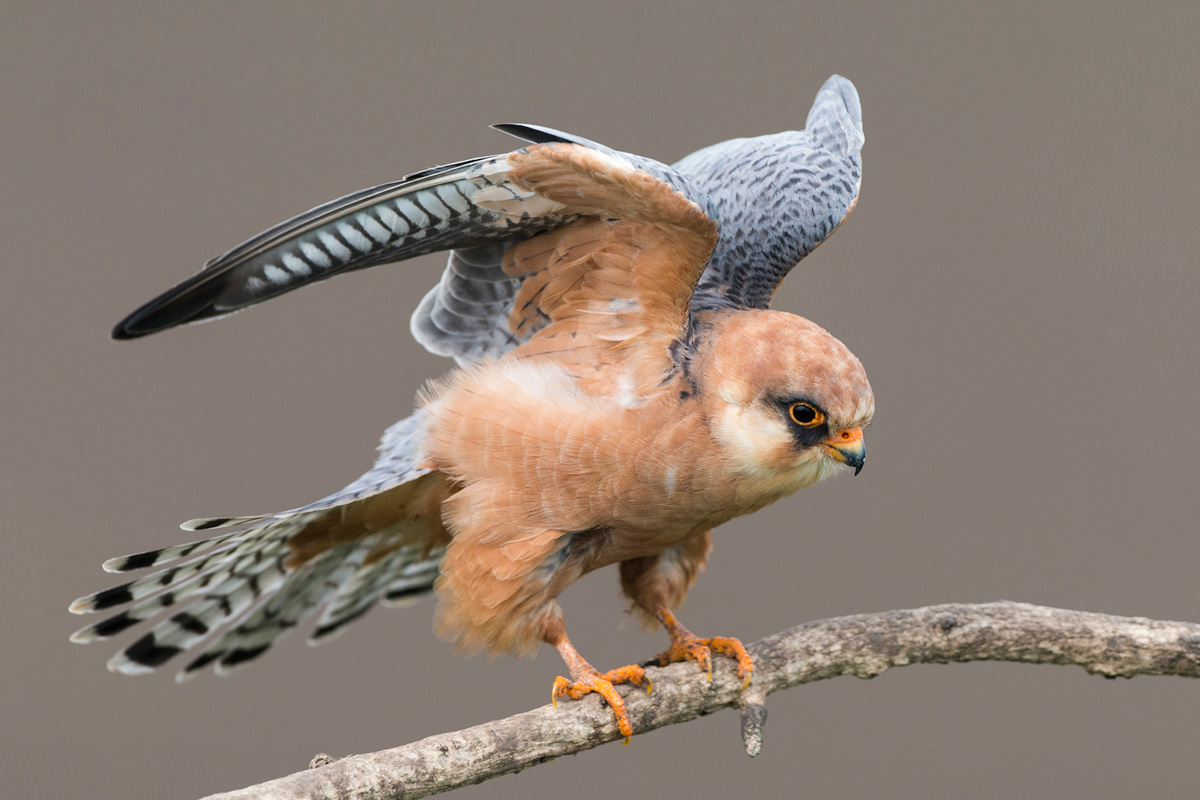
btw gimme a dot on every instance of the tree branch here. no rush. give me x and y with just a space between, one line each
863 645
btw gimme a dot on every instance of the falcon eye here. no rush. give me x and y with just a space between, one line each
805 415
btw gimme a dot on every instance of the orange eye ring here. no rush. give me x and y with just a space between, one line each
806 415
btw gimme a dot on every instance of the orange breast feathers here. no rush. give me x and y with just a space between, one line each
549 454
555 483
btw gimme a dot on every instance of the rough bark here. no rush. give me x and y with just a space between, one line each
863 645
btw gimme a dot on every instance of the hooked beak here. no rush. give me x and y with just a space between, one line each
847 447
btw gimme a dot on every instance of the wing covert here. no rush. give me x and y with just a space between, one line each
607 295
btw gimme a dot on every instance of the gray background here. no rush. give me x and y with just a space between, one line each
1020 280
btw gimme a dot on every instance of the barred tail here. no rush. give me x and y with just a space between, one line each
242 590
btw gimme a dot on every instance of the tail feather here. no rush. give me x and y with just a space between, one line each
152 558
306 590
254 568
359 594
394 468
186 628
150 606
413 582
213 523
217 647
231 601
354 597
230 550
243 589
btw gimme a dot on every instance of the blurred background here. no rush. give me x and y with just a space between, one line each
1020 279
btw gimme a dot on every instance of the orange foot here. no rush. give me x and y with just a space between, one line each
686 646
587 679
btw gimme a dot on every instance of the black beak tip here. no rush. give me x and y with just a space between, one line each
858 467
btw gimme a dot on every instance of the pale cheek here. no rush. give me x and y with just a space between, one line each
753 443
814 466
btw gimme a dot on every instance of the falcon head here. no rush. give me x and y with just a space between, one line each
786 400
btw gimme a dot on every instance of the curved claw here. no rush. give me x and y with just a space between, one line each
688 647
588 681
734 648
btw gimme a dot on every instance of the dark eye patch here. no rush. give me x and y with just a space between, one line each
806 421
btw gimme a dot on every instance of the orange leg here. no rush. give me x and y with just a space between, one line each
686 646
585 679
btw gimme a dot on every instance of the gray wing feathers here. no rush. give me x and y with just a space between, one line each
465 316
398 462
778 197
835 119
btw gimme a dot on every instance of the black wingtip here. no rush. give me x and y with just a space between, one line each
540 134
123 331
192 300
535 134
149 318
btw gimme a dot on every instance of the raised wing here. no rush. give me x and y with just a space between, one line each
607 295
466 315
428 211
778 197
